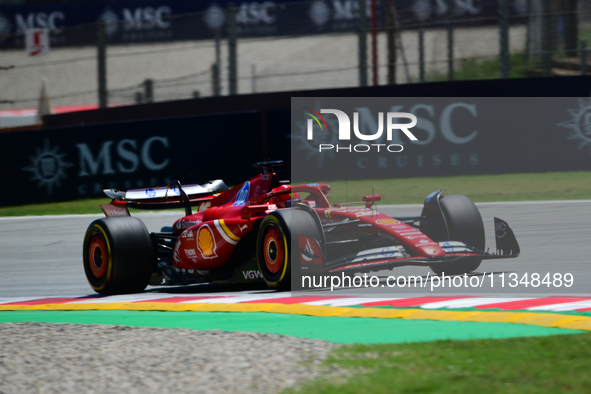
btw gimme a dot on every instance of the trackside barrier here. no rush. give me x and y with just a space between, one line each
70 163
579 86
454 136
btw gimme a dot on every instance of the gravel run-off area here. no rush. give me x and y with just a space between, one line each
70 358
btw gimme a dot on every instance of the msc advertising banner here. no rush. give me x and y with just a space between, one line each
79 162
159 20
454 136
445 244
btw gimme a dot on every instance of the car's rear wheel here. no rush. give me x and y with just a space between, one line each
118 255
273 248
465 225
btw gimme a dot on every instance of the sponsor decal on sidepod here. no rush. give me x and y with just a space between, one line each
242 195
206 242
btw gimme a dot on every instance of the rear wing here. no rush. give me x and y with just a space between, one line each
162 197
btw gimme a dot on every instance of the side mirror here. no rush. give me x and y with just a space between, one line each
370 200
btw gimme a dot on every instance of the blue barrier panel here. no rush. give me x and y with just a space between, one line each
454 136
130 21
70 163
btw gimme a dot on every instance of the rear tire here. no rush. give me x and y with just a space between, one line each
118 255
465 225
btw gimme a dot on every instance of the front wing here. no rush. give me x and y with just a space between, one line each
390 257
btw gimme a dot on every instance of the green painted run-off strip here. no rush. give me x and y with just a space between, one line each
334 329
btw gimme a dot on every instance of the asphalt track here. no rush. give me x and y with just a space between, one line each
41 256
554 238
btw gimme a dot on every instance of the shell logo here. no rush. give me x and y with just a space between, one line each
206 242
204 205
387 221
430 249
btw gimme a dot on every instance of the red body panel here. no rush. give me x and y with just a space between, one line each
221 237
208 237
408 236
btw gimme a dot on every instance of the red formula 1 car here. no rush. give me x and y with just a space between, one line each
266 229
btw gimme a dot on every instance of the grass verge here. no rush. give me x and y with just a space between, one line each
553 364
78 207
481 188
470 69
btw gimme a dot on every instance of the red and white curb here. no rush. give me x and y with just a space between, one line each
553 304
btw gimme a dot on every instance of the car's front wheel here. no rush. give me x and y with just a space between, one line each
465 225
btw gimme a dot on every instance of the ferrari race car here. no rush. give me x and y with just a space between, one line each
267 230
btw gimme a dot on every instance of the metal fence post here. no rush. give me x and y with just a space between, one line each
528 33
149 91
450 40
391 31
583 57
217 88
374 42
547 29
362 34
504 61
215 80
571 27
101 55
232 56
421 54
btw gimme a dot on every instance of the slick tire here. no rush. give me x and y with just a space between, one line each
118 255
465 225
274 253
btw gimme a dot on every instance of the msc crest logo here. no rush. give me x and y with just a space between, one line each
48 167
580 124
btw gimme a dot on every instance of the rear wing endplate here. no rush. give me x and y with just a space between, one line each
169 192
166 197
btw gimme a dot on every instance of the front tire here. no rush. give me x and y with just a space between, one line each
465 225
118 255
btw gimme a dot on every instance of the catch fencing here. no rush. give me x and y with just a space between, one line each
154 54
